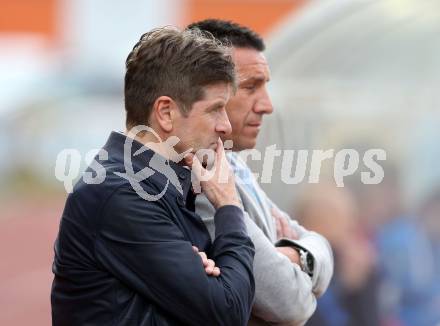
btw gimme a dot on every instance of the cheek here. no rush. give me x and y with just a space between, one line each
204 128
234 119
240 120
237 115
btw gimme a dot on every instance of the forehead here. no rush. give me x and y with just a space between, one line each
220 91
216 94
250 62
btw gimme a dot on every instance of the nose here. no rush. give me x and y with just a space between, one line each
264 104
223 125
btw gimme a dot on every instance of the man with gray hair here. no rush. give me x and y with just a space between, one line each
292 266
131 250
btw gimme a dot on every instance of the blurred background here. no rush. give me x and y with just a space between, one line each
345 74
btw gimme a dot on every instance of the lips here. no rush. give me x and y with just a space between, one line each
255 124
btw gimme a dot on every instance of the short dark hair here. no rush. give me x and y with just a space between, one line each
179 64
228 31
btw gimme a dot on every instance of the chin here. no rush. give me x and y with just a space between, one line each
205 154
243 145
212 145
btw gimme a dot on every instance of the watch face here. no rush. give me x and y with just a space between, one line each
306 262
310 262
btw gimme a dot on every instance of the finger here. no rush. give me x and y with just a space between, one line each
216 272
219 153
204 258
219 150
196 250
223 169
278 227
293 234
210 266
277 213
288 231
285 229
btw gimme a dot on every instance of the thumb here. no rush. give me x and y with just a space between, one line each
220 151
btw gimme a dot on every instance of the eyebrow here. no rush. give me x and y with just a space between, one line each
217 105
254 79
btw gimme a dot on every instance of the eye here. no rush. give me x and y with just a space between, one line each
216 108
250 88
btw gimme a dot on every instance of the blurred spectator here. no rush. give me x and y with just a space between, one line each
352 295
405 257
430 219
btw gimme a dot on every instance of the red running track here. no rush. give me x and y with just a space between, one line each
27 232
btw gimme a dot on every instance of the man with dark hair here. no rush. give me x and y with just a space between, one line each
123 260
292 266
231 33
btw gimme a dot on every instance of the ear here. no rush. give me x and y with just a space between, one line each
164 110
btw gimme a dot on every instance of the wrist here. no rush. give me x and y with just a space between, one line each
290 253
305 261
227 201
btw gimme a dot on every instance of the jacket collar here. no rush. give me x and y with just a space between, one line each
158 169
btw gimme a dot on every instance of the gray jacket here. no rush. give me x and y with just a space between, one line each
284 295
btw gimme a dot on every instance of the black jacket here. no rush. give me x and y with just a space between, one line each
123 260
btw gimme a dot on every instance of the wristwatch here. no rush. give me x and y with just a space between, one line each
305 261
